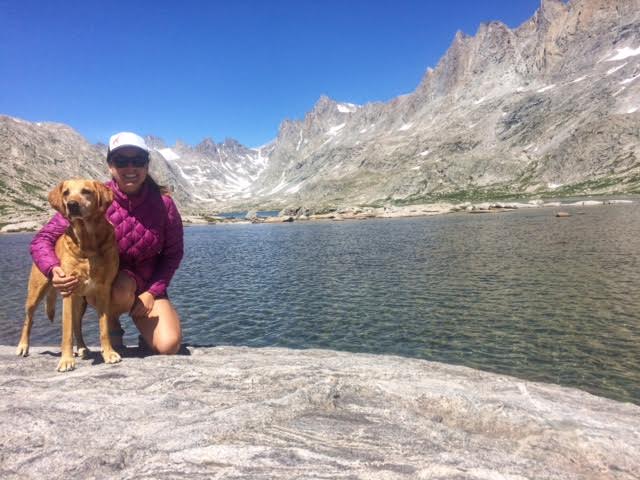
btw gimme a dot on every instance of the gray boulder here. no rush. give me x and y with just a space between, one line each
230 412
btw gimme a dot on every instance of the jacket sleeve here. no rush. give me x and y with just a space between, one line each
172 251
43 245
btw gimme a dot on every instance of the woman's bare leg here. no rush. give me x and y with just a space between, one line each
161 329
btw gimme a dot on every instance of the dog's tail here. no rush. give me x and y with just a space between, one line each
51 303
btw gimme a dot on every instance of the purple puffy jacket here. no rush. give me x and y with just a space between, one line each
149 234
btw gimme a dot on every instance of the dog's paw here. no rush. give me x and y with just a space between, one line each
111 356
66 364
83 353
22 350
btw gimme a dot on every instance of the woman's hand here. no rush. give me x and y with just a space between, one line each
65 284
143 305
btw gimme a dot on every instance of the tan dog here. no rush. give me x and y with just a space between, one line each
88 250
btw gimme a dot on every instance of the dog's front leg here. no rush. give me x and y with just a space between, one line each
103 301
69 305
83 351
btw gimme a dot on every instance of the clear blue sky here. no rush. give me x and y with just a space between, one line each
194 69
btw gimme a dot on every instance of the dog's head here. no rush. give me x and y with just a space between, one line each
80 199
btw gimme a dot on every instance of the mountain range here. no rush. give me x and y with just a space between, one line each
550 108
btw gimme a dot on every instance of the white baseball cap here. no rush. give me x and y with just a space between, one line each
127 139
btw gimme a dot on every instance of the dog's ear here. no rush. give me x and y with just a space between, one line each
104 196
55 198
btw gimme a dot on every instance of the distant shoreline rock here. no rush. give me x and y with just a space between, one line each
27 226
236 412
298 214
420 210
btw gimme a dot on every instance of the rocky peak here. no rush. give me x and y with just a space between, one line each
207 146
451 69
493 47
288 131
155 142
323 106
232 144
182 146
490 29
497 51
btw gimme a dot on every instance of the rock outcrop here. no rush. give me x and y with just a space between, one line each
232 412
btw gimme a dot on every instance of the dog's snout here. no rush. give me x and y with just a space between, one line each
73 207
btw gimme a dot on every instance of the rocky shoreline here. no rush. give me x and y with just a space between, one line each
236 412
421 210
299 214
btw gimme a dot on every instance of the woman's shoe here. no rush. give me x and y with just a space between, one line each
143 345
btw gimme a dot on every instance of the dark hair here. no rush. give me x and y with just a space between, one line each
163 189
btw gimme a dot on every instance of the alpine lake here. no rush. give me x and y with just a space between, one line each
521 293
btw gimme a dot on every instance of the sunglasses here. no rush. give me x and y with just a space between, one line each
138 161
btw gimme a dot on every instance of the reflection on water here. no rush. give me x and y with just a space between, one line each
521 293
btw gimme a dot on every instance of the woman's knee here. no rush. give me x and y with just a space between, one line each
168 343
162 326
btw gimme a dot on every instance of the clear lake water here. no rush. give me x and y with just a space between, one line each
521 293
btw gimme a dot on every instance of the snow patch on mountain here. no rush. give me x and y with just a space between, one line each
168 154
615 69
183 174
300 141
623 53
333 131
280 186
295 188
629 80
347 107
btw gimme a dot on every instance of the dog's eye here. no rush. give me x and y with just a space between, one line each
86 191
65 193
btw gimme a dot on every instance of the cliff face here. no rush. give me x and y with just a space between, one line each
229 412
33 157
551 107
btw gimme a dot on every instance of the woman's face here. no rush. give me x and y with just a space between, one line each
128 169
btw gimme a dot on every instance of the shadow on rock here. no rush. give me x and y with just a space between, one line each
95 356
50 353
